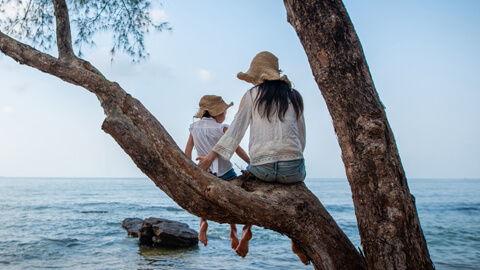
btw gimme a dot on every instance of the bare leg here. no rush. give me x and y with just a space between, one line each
234 236
242 248
300 254
202 235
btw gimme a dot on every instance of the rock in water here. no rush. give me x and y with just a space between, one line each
132 225
162 232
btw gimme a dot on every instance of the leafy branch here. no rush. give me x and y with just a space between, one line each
127 21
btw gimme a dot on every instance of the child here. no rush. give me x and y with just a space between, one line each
204 134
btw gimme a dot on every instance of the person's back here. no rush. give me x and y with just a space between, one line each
206 133
274 138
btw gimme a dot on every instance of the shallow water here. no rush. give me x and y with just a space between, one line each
76 224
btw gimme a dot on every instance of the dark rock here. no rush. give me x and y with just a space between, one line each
132 225
161 232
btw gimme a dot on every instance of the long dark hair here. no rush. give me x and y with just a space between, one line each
273 98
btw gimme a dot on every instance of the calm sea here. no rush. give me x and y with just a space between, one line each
76 224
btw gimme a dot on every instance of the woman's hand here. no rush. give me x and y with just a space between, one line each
206 161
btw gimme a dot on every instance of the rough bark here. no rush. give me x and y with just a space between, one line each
386 214
64 38
288 209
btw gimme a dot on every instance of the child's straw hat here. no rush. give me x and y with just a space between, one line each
213 104
264 66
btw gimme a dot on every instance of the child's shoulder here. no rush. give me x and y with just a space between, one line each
193 125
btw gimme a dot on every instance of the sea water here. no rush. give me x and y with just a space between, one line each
53 223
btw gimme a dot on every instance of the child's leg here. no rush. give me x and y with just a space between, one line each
202 235
233 235
300 254
242 248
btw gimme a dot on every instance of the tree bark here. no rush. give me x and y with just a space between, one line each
288 209
64 37
386 214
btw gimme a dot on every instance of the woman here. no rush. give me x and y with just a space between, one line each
274 112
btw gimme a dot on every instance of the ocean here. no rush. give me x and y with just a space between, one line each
75 223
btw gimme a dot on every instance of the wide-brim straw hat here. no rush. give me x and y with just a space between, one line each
264 67
213 104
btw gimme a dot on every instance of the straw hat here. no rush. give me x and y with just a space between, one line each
264 66
213 104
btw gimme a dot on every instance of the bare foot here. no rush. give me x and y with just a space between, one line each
300 254
234 236
202 235
242 248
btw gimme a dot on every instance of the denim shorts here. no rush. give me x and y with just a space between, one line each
285 172
230 175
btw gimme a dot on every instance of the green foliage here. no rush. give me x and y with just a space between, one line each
127 21
29 21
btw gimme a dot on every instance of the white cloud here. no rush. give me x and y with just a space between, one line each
158 15
7 109
204 75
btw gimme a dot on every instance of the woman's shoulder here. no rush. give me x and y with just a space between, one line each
253 90
251 93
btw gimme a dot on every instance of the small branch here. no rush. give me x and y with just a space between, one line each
99 14
22 20
64 36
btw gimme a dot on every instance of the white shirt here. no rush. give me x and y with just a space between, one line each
206 132
270 141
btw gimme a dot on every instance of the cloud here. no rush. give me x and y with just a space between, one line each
204 75
7 109
158 15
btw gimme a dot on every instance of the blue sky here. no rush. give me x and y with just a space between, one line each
423 56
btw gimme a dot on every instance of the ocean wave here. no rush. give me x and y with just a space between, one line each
94 212
68 239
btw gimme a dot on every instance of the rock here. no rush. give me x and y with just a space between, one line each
132 225
161 232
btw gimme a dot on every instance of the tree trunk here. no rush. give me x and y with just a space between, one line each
386 214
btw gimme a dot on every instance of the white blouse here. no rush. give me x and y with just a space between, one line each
270 141
206 132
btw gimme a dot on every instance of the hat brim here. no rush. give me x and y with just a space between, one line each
245 77
201 112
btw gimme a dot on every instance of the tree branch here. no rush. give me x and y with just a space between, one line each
288 209
64 36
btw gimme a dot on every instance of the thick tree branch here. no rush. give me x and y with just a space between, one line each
289 209
64 36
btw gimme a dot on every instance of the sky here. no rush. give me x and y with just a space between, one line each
423 56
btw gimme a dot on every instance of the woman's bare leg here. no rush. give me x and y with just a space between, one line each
300 254
202 235
234 236
242 248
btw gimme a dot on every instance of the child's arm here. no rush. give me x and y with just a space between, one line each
242 154
189 147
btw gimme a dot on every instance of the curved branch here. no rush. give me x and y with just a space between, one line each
288 209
